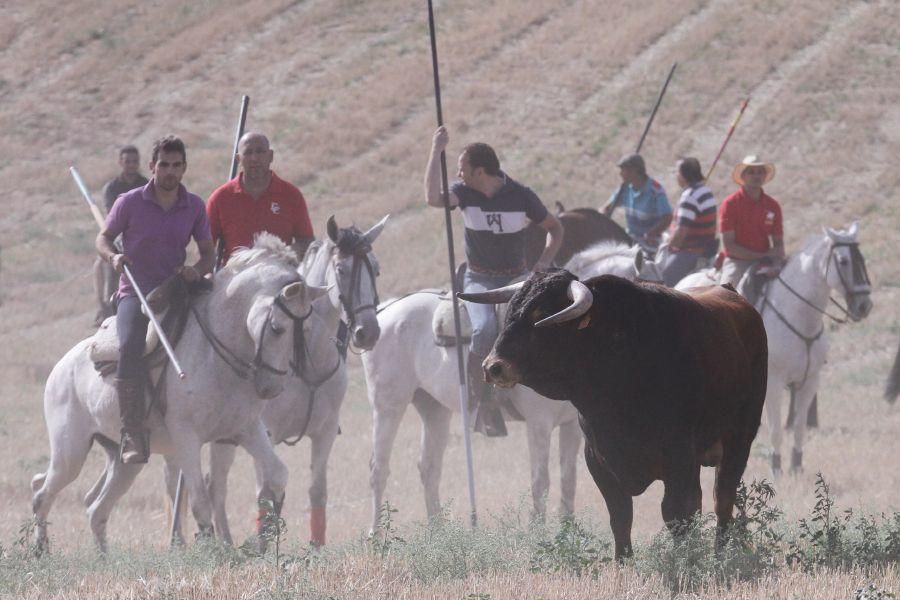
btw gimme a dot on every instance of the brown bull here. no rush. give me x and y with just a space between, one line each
665 382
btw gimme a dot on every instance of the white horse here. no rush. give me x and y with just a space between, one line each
311 402
408 367
793 309
235 351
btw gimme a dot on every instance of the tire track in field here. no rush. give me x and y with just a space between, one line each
636 70
786 73
415 107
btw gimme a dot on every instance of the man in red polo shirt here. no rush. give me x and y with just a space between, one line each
750 222
258 200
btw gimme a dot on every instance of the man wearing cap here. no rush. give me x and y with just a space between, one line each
105 280
647 209
156 223
258 200
496 210
750 221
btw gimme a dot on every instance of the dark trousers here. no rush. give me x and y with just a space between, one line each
131 325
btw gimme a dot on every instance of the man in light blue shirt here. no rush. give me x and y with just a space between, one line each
647 210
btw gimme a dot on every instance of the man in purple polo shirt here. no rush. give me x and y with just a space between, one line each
156 223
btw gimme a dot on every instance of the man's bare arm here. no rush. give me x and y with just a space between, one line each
735 250
433 182
555 234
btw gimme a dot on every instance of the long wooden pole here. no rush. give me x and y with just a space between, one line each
640 143
238 134
463 392
98 217
220 255
734 123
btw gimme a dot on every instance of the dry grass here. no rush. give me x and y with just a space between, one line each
344 89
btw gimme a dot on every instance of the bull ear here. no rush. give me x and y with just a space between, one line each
332 229
373 233
498 296
582 299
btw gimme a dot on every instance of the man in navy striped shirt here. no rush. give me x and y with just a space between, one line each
496 209
693 233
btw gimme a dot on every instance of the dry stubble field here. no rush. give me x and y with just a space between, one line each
344 89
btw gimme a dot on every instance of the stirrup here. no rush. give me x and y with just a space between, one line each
140 453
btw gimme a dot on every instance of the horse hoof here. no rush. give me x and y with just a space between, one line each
797 461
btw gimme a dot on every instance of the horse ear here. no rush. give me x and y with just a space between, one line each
332 229
831 233
374 232
854 229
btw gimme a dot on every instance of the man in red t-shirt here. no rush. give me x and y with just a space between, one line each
258 200
750 221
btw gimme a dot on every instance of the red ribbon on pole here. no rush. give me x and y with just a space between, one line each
734 123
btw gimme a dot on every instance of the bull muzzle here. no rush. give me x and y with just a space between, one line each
499 372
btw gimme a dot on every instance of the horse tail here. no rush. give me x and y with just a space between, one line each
893 385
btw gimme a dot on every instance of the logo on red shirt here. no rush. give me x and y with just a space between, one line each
275 208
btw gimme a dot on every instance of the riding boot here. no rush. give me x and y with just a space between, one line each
135 442
488 416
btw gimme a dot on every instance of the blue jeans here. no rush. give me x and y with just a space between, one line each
483 316
678 266
131 325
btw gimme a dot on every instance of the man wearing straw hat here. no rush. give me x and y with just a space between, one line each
750 221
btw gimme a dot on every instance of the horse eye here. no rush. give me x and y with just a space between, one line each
277 329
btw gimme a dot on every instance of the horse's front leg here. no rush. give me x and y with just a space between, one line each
187 456
539 432
221 457
322 442
803 397
271 475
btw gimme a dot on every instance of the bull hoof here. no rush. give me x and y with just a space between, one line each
776 465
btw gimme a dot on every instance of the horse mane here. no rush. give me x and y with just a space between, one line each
351 241
266 246
593 254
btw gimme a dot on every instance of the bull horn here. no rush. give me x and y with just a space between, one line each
582 299
498 296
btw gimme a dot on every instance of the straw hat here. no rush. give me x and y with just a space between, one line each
752 160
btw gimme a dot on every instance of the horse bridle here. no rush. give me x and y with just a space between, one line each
860 274
241 367
360 260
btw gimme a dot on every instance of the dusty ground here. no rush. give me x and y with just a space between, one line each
343 88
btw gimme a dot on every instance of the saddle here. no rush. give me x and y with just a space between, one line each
755 282
170 302
442 326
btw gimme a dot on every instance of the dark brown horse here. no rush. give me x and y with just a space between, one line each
583 227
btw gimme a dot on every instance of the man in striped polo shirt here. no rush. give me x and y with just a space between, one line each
693 233
496 210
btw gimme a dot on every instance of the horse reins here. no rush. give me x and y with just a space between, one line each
860 273
241 367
